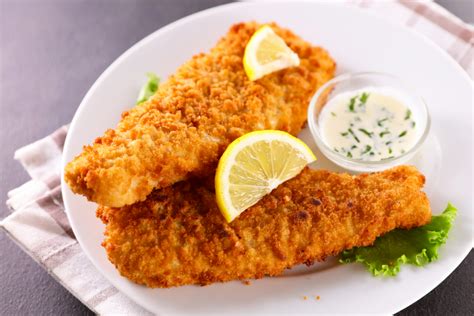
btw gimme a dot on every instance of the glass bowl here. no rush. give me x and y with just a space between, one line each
371 80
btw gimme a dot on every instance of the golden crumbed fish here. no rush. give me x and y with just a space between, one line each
177 236
196 113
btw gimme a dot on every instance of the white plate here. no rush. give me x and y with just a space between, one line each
359 42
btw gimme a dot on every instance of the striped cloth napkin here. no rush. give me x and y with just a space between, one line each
38 224
40 227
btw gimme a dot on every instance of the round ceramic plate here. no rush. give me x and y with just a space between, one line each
358 41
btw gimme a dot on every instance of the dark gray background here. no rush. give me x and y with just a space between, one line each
50 54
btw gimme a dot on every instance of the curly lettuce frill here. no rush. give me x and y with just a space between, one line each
417 246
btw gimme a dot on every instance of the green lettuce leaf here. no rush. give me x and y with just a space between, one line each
417 246
149 89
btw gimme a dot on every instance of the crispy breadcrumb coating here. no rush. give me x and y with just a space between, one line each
196 113
177 236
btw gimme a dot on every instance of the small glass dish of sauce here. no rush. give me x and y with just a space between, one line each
368 121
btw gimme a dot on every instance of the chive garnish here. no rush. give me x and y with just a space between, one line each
379 122
333 114
349 154
367 149
383 133
353 147
408 115
344 134
388 143
413 124
390 151
335 149
365 132
352 133
371 153
402 134
351 104
363 98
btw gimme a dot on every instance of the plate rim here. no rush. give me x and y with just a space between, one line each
213 10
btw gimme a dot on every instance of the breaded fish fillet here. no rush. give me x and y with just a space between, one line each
177 236
196 113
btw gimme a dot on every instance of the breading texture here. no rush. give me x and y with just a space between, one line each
177 236
185 127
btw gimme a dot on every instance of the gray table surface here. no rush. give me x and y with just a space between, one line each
50 54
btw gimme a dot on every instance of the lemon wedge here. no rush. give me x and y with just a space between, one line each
266 52
255 164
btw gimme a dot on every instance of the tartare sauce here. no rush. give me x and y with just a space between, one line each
368 125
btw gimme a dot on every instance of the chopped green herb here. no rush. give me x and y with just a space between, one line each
352 133
351 104
367 149
387 158
413 124
149 88
363 98
377 128
379 122
383 133
408 115
366 132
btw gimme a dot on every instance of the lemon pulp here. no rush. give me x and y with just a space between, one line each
255 164
266 52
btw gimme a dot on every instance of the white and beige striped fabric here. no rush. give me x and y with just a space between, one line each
40 227
38 224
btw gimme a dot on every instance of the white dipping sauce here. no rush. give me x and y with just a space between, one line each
368 124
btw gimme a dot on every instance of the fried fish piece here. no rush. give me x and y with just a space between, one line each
196 113
177 236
